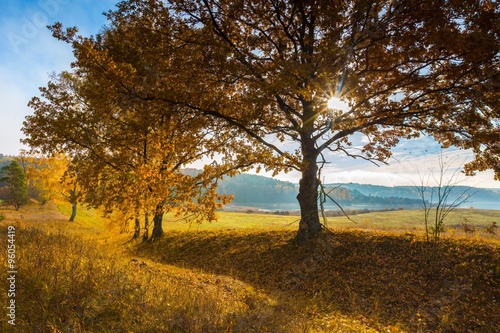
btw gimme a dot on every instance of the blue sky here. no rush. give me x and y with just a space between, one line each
29 54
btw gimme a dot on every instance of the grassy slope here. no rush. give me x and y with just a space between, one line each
251 278
380 279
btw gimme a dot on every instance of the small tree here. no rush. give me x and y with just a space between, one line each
16 178
72 197
44 174
51 180
440 200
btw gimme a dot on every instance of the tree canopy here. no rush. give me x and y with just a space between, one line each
15 176
248 83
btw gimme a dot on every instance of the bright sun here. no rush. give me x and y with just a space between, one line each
336 103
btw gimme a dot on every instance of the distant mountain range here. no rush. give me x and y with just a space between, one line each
259 191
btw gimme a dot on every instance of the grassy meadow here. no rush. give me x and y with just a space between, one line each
242 274
390 220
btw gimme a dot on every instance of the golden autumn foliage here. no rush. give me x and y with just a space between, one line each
131 159
247 83
48 177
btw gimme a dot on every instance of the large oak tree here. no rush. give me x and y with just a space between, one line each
263 71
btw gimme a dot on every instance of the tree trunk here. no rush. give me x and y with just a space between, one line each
145 236
73 199
309 226
137 227
157 222
73 212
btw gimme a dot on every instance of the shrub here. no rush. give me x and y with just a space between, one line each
490 228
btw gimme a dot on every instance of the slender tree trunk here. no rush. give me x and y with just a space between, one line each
158 222
310 225
73 212
137 227
145 236
73 199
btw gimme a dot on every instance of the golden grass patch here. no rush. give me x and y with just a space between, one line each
380 279
77 277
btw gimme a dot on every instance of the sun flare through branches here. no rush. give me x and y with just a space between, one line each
335 103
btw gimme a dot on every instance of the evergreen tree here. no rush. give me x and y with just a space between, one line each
16 178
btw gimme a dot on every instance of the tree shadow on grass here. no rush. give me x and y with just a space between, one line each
380 279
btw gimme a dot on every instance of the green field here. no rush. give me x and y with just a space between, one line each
398 220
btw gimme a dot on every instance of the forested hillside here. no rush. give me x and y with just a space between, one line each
4 160
256 189
253 189
479 194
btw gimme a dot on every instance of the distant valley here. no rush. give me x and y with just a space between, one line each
271 194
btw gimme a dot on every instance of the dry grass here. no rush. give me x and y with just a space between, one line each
379 279
245 280
66 283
